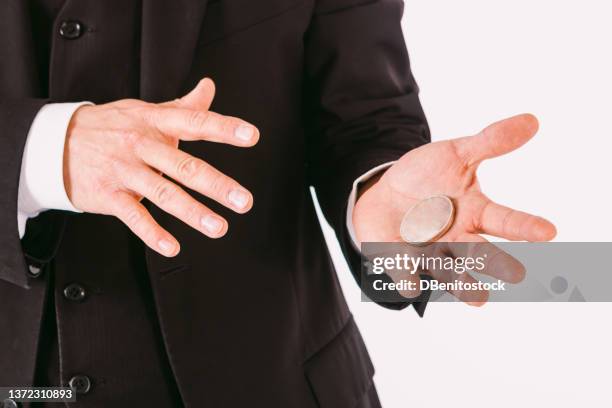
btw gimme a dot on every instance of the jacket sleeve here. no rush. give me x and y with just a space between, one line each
16 117
361 103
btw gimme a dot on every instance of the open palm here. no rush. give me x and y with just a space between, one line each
449 168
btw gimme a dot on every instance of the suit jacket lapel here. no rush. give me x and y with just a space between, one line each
170 31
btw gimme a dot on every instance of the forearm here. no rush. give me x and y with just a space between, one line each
362 97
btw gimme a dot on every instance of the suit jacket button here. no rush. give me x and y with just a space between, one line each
71 30
81 384
34 271
9 403
75 292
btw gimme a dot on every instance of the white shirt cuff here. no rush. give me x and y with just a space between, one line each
41 183
353 199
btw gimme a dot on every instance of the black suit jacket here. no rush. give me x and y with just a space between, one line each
257 315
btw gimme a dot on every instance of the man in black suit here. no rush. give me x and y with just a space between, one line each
134 301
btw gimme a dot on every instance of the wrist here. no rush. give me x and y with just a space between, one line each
72 128
367 185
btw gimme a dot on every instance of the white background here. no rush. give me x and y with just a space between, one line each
478 61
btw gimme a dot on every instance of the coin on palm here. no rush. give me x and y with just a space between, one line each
427 220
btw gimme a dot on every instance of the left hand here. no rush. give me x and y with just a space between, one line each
449 168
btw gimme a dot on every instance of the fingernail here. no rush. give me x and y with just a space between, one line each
212 224
239 198
245 132
166 246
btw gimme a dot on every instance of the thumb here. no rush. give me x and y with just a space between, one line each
200 97
497 139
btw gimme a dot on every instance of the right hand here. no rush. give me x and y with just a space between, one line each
116 153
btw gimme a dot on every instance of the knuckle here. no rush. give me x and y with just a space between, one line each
480 216
134 217
198 120
189 167
99 188
116 166
130 137
164 191
152 233
105 188
192 213
228 124
459 150
218 184
506 222
149 113
115 110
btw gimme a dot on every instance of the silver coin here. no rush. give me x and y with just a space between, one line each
427 220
